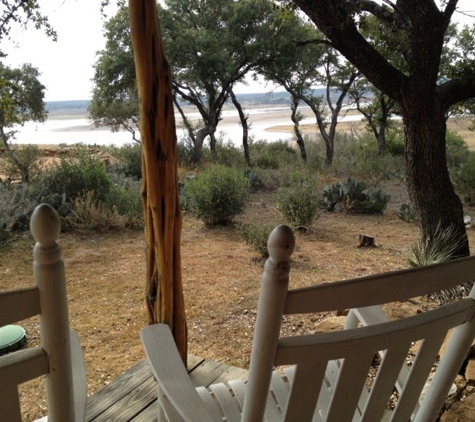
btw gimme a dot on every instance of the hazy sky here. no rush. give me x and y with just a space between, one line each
66 65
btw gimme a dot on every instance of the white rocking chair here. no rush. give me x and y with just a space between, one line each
59 356
323 376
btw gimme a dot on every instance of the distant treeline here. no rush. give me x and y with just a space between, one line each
275 98
76 105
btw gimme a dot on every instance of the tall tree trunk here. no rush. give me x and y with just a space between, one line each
428 180
245 127
212 142
198 144
381 140
296 118
164 291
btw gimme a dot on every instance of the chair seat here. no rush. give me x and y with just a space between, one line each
225 401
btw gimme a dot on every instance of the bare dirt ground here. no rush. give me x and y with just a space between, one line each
221 275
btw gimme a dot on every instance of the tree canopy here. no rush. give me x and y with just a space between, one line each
114 100
21 100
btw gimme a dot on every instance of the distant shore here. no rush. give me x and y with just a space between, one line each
267 121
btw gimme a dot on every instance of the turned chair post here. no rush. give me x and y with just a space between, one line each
275 282
49 276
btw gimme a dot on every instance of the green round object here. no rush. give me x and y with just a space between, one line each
12 337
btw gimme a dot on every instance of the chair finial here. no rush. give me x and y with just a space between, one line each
44 224
281 243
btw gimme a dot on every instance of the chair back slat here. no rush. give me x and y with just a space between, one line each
350 383
418 376
306 383
380 288
10 403
384 382
17 305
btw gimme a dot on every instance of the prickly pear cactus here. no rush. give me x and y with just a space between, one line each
353 196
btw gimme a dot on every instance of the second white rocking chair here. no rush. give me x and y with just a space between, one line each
325 374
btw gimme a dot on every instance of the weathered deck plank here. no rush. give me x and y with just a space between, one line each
132 397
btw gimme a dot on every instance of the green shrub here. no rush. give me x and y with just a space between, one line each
464 178
130 160
407 213
218 194
360 159
299 205
226 153
4 233
256 235
272 155
126 199
395 141
185 152
457 150
73 177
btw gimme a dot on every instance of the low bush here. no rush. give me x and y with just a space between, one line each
463 178
395 142
73 177
17 203
407 213
88 213
457 150
129 158
272 155
226 153
218 194
256 235
299 205
4 233
125 197
185 152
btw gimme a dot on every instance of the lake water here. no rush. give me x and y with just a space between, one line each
57 130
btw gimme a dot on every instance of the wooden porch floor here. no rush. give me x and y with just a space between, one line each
133 395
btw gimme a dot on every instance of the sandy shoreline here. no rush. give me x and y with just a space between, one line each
267 122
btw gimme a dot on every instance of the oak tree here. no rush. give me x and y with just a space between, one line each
423 98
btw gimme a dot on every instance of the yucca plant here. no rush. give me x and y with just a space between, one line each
439 248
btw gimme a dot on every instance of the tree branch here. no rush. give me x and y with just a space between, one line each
456 90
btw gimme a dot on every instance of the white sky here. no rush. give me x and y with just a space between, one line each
66 66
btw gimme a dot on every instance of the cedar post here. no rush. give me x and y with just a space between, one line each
164 290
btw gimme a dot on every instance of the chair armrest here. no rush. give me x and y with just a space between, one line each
170 373
79 378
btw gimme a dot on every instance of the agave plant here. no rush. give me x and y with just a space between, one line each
439 248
